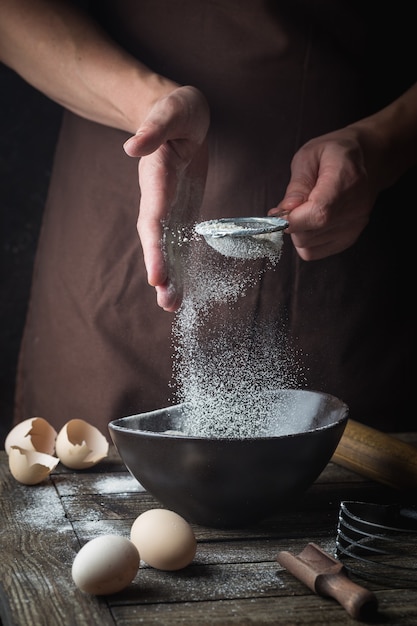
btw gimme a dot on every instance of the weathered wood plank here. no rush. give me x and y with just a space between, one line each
102 483
309 610
316 511
38 546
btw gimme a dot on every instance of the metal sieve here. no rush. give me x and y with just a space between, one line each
244 237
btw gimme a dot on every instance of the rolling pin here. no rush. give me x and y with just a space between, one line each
378 456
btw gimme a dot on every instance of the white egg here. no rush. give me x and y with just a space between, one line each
35 433
164 539
105 565
30 467
80 445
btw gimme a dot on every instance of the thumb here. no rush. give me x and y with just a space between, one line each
290 201
147 139
159 126
303 179
297 193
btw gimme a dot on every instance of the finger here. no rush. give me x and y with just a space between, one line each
314 208
150 235
149 137
287 204
318 244
141 144
182 115
167 297
304 175
308 216
321 250
156 198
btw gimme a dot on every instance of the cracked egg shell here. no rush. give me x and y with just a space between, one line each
30 467
35 434
80 445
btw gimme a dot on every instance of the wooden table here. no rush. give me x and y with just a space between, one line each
234 579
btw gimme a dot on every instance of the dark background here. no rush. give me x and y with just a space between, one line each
29 124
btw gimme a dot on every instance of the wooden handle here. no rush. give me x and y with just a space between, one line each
378 456
326 576
359 602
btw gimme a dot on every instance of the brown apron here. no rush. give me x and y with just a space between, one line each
96 346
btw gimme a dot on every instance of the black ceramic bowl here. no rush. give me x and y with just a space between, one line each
230 482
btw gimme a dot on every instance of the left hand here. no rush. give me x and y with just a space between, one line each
172 172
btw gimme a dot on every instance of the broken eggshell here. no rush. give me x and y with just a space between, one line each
80 445
35 434
30 467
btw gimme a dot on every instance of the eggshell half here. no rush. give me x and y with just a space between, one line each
29 466
165 540
106 564
80 445
35 433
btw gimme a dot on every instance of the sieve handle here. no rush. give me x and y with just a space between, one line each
378 456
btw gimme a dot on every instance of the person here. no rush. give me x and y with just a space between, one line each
238 108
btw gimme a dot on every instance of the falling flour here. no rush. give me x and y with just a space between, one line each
226 361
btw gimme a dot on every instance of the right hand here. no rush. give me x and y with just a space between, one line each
172 173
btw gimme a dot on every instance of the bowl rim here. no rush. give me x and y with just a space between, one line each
116 424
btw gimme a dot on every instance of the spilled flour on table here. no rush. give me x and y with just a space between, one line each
226 361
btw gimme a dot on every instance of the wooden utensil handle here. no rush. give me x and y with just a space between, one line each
356 600
378 456
326 576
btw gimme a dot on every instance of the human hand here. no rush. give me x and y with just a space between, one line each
172 172
331 193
